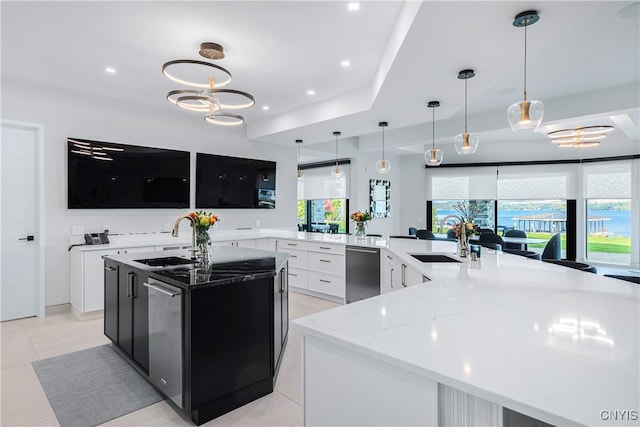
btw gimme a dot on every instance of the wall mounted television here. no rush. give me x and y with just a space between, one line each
234 182
106 175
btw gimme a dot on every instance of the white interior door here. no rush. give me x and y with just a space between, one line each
21 250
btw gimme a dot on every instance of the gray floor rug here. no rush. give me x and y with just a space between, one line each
93 386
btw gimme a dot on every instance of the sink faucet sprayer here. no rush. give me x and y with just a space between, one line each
174 233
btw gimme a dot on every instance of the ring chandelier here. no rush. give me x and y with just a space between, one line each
209 96
580 137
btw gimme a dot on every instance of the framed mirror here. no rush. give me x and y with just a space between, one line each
379 198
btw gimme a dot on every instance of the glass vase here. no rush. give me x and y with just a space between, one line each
203 241
361 229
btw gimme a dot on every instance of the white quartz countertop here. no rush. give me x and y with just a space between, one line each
552 342
160 239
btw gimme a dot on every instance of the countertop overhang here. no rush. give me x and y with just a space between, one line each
555 343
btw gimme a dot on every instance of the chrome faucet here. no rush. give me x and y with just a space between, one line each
174 233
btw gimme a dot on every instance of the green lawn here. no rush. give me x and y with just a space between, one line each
612 245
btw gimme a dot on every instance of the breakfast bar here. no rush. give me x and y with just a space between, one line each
479 343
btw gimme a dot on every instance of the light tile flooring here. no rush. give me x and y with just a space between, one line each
23 402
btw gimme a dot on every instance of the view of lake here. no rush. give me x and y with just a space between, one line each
619 224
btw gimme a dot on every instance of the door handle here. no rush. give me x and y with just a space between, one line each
282 281
28 238
109 268
392 278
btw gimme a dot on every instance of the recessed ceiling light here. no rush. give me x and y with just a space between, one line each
110 70
311 92
354 5
265 107
345 64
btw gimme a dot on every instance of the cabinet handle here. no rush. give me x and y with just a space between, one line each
130 285
276 242
389 257
282 281
325 281
293 256
324 247
293 274
292 244
325 260
404 275
391 277
109 268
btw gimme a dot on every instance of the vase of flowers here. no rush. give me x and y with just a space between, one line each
202 221
361 218
464 230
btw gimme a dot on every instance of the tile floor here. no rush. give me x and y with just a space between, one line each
23 402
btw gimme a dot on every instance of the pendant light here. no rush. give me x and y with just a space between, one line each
337 170
299 174
525 115
433 157
466 143
383 166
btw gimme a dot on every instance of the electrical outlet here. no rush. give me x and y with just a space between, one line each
166 227
77 230
257 223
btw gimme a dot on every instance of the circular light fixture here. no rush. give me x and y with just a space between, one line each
210 98
525 115
337 171
466 143
580 137
383 166
433 157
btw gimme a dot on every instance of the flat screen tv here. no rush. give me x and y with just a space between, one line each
234 182
105 175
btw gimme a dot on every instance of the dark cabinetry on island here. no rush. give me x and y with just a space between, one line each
231 326
125 311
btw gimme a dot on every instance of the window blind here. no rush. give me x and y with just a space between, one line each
607 180
541 182
472 183
318 183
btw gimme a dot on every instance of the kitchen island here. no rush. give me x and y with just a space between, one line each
480 343
209 336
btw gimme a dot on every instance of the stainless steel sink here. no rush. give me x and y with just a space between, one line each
434 258
164 261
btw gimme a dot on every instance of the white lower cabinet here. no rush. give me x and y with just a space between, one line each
396 274
87 276
318 268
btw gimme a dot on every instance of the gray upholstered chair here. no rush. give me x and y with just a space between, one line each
425 234
553 248
516 233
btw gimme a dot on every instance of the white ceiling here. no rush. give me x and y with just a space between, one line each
583 63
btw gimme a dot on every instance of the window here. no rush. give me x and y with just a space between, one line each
445 214
323 201
608 212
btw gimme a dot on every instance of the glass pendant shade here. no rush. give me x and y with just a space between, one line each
433 157
383 166
525 115
466 143
299 173
337 171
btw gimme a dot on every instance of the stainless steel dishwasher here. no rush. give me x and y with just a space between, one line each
363 273
165 339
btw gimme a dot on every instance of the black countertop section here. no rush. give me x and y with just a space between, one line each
227 265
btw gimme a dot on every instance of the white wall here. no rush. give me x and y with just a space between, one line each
413 200
363 168
69 114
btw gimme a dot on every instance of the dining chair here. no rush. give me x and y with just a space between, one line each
632 279
413 231
425 234
491 237
587 268
404 237
516 233
451 234
552 250
526 254
374 235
